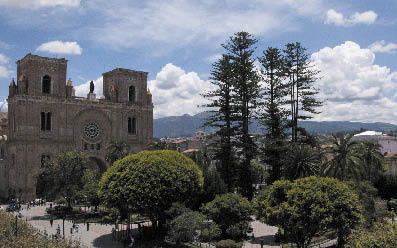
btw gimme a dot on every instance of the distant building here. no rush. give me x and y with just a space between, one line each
388 143
388 148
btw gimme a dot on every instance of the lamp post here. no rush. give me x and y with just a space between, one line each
16 225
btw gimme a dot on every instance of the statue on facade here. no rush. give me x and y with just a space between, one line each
92 87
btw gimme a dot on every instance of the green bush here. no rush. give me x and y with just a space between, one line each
149 182
227 243
380 236
228 210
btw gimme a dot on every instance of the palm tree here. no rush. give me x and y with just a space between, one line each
372 160
116 150
346 160
302 161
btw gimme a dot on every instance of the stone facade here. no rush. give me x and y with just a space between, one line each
45 118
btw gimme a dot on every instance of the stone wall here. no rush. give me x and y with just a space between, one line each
70 121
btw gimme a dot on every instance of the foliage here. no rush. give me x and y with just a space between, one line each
90 190
308 207
273 115
185 226
301 76
382 235
149 182
116 150
157 145
61 201
240 49
221 116
302 161
27 236
346 160
176 210
229 209
258 173
366 194
213 185
372 160
387 185
210 231
63 176
227 243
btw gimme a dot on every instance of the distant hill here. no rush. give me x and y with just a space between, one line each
187 125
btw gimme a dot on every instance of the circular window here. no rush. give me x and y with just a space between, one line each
91 130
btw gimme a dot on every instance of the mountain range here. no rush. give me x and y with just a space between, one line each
187 125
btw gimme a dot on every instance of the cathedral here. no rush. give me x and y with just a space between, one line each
45 118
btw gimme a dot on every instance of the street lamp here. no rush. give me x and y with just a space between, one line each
16 224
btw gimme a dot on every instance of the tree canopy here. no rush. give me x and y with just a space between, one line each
229 210
63 175
116 150
149 182
380 236
307 207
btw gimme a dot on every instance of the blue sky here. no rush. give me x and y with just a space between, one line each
353 43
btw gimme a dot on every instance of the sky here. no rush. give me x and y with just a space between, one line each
353 43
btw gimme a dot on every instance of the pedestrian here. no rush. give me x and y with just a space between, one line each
59 229
132 242
51 221
77 228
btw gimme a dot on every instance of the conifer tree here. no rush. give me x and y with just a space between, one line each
273 115
301 76
221 117
246 90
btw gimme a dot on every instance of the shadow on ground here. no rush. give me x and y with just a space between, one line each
106 241
268 240
44 217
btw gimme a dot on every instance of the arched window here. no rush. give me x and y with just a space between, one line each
46 86
131 94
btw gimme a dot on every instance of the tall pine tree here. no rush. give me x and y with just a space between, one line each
301 76
273 115
246 87
221 117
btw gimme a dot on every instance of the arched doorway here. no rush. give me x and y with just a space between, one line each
98 165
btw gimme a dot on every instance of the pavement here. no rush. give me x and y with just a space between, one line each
263 232
99 236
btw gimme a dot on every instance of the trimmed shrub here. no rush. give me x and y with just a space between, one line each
227 243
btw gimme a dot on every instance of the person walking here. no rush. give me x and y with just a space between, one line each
51 222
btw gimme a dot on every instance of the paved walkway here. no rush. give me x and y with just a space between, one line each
99 236
262 231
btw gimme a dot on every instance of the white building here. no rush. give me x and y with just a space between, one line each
388 143
388 148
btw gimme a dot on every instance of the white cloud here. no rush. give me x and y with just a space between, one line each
4 45
353 87
176 92
382 47
336 18
83 89
4 72
3 59
213 58
181 22
60 47
40 3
